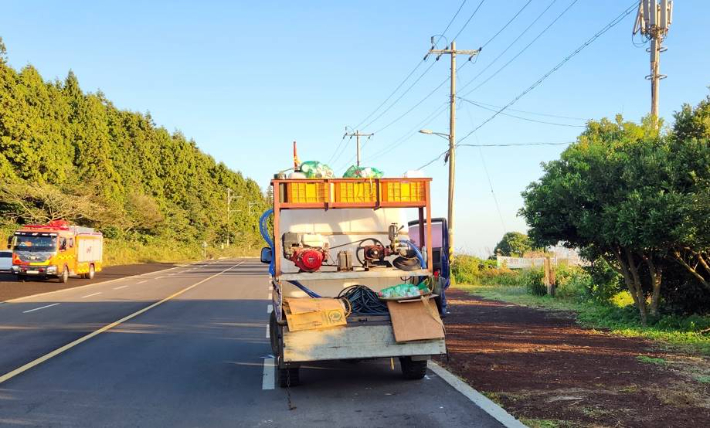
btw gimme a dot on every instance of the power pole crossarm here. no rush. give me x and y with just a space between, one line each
357 135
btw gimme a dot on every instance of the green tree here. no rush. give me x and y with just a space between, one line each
627 194
513 244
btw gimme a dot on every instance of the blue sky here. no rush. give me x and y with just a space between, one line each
245 79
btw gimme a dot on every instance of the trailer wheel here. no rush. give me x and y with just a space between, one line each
65 275
92 272
412 370
274 335
289 377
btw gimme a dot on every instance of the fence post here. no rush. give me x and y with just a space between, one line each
549 277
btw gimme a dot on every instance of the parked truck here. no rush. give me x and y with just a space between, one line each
56 250
337 247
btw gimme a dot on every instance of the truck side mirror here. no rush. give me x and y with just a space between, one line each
266 255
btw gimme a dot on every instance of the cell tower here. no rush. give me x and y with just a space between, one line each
653 21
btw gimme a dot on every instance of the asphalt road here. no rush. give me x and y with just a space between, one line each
194 360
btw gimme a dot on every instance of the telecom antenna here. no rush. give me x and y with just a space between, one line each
653 21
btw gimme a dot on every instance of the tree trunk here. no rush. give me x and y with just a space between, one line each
679 257
656 278
633 283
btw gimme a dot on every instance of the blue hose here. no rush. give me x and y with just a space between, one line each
265 234
416 251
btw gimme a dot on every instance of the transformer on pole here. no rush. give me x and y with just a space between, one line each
653 21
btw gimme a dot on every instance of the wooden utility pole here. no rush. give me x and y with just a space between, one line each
357 134
452 51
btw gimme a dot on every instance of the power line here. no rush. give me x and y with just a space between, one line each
359 125
534 113
506 25
469 20
521 51
523 118
562 143
411 73
606 28
511 44
413 131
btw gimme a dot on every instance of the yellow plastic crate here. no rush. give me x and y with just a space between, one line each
404 191
306 193
353 192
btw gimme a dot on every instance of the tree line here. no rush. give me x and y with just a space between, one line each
67 153
635 197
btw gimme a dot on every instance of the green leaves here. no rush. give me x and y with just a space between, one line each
72 154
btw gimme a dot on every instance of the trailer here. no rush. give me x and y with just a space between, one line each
332 236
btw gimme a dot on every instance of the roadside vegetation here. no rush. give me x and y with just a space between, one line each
69 154
595 294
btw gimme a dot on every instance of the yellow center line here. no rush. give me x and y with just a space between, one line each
40 360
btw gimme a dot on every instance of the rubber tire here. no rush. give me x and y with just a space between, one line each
92 272
274 335
65 275
284 374
412 370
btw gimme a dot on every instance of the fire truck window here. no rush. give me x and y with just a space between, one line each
63 244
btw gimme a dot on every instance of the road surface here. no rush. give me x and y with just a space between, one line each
190 352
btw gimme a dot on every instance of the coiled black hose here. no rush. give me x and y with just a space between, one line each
363 301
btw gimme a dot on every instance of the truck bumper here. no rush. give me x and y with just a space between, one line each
353 341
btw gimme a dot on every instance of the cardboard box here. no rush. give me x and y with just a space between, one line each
416 319
313 314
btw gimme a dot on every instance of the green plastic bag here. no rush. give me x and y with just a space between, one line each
404 291
315 169
362 172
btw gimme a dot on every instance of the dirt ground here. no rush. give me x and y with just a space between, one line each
542 366
11 288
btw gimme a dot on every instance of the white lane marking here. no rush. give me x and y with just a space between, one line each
44 307
89 295
145 280
40 360
159 277
497 412
118 288
268 379
268 333
269 309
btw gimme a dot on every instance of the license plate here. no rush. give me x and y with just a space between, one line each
32 272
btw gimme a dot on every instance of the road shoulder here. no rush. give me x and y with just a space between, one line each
545 369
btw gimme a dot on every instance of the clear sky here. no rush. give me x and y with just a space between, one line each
245 79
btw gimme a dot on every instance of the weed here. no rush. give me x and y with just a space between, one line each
651 360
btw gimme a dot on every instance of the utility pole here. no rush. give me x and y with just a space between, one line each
229 205
229 211
452 51
653 21
357 134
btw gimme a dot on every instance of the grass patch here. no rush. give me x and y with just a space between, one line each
703 379
545 423
122 252
681 333
651 360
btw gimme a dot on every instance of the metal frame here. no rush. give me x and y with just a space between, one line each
423 206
